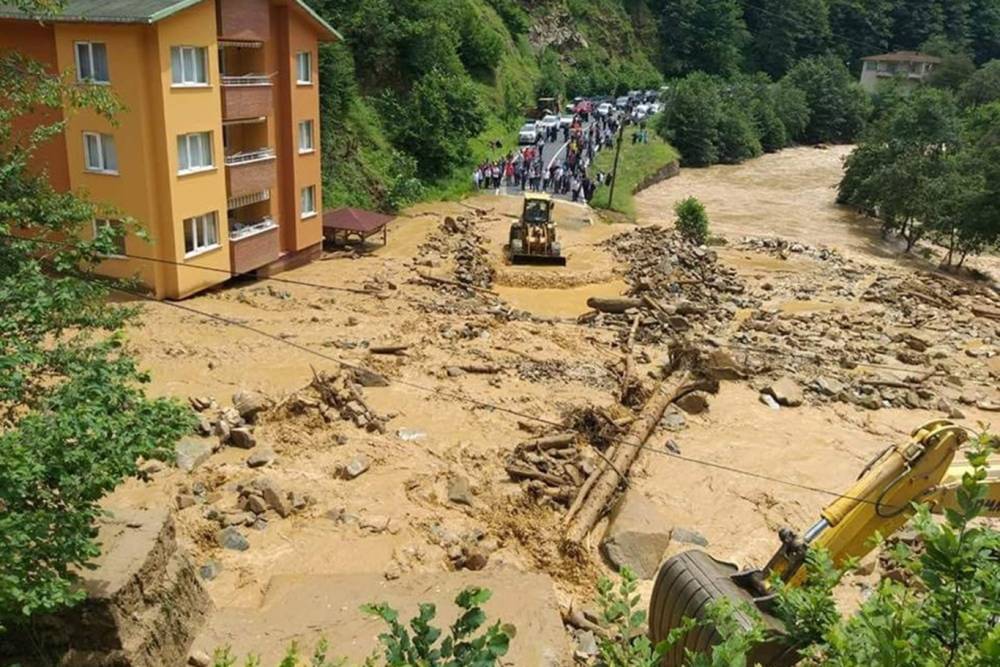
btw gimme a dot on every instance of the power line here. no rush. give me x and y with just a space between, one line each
363 292
199 267
491 406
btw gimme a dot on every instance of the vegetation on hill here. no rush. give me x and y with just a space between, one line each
638 162
422 90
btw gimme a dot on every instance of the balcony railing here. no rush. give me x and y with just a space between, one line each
247 80
253 245
241 230
250 171
246 157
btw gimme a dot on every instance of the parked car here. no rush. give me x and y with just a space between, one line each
584 108
550 121
655 108
566 120
652 95
604 109
528 134
642 109
623 102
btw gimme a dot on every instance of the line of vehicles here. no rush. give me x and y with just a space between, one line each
637 105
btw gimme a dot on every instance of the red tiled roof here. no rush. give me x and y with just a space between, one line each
355 220
904 56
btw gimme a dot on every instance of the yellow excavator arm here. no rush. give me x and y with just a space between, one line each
881 501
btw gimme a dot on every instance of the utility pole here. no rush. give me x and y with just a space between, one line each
614 170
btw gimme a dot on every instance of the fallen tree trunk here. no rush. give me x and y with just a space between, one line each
480 370
389 349
618 305
588 509
550 441
517 472
629 364
453 283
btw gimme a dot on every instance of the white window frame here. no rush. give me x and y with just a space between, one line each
311 147
306 214
184 52
101 165
184 149
200 224
90 53
298 68
98 222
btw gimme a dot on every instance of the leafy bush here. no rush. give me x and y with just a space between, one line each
838 108
738 138
692 220
480 46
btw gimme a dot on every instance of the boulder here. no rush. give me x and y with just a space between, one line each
721 366
231 538
355 467
243 438
190 453
250 403
786 392
828 386
210 570
694 403
637 536
275 496
260 458
459 490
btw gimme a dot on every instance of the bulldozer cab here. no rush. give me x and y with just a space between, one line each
533 236
537 210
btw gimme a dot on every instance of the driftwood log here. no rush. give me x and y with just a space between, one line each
617 305
596 496
628 370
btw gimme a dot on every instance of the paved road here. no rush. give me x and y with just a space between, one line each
551 158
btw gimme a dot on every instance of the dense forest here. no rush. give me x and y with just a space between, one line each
420 89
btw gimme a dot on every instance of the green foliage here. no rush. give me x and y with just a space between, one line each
946 616
838 107
73 415
551 80
738 135
692 220
927 169
480 45
423 645
224 658
705 35
786 31
436 120
983 86
691 120
625 644
638 162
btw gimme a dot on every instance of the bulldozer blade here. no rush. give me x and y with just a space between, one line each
540 260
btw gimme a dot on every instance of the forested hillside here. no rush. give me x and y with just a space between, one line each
421 89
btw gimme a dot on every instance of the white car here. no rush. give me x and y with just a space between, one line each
528 134
566 120
642 109
655 108
604 109
550 122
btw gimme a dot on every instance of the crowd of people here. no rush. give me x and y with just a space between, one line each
568 173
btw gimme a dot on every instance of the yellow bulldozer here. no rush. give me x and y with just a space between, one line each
881 501
533 236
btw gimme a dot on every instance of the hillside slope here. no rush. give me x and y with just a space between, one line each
421 90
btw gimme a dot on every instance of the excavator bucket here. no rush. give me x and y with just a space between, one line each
686 587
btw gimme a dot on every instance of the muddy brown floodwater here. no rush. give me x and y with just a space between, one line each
546 366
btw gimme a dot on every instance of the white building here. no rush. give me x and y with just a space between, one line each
910 67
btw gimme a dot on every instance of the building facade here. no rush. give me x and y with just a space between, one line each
909 67
216 155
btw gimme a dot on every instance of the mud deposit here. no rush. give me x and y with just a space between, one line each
471 371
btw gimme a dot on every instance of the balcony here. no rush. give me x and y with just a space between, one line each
250 171
248 96
253 244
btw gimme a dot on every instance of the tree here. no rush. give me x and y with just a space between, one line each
691 120
692 220
838 107
955 67
785 31
74 418
916 21
738 138
551 80
983 86
792 107
705 35
436 120
480 46
903 156
868 24
984 29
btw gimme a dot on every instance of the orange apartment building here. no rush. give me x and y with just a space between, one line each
217 152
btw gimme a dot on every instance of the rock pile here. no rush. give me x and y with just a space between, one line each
460 237
682 288
339 395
